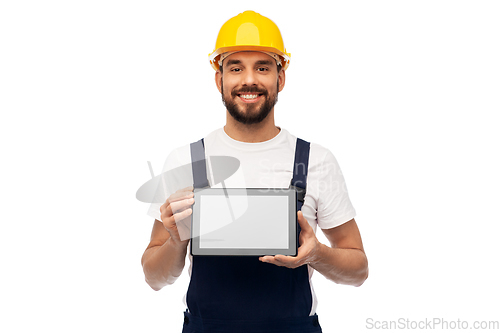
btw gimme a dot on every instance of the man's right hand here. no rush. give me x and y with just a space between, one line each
175 215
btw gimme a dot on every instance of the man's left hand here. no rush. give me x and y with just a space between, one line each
307 252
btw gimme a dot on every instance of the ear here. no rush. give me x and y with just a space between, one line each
281 80
218 80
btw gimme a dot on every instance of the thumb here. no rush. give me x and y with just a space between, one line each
304 225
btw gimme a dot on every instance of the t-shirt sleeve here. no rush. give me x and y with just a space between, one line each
334 205
176 174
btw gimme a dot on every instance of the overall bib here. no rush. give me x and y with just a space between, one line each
231 294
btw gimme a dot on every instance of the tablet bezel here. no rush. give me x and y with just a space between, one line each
292 221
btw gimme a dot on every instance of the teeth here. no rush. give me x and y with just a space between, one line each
249 96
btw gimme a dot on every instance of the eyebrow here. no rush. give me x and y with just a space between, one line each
264 62
237 62
233 62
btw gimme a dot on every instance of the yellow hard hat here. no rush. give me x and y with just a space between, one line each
250 31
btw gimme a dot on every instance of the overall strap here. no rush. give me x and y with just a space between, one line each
300 166
198 164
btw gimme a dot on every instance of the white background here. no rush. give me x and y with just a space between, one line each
404 93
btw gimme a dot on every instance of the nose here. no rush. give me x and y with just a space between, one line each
249 78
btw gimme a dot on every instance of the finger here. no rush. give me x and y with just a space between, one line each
284 258
271 260
304 225
178 217
167 209
180 195
184 229
178 206
281 260
290 261
173 212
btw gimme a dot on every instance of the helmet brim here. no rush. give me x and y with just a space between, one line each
215 55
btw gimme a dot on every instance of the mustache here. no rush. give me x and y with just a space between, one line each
249 90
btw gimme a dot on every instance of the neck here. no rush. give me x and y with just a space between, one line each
263 131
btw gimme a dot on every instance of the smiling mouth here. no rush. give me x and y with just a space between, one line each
249 98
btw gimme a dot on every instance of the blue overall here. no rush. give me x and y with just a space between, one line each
231 294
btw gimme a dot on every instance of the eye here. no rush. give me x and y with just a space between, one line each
235 70
262 69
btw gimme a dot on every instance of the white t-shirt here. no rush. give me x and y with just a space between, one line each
268 164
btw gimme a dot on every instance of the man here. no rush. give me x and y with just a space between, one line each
270 293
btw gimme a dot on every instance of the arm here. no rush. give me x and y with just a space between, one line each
164 258
344 262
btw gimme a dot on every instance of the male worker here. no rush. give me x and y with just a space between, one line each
269 293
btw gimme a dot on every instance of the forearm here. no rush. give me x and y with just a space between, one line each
163 264
344 266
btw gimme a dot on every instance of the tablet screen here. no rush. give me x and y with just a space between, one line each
244 222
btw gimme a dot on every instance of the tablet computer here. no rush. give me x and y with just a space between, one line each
244 222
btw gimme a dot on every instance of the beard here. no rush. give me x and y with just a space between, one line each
252 113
